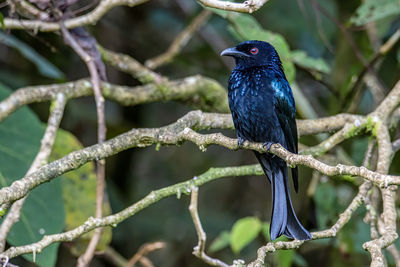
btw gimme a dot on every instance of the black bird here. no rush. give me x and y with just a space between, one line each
263 110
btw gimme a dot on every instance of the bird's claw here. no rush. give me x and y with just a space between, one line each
267 146
240 142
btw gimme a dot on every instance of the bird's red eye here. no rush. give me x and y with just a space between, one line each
254 50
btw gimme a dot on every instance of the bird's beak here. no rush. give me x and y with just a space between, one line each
233 52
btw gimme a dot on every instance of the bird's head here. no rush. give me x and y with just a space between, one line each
253 54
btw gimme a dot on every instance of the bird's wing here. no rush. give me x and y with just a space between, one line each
285 110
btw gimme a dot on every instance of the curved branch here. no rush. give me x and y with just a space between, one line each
153 197
331 232
196 91
248 6
89 18
48 139
176 133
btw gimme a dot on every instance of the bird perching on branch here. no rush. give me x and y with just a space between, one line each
263 110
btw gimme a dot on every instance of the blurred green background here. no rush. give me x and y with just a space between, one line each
323 73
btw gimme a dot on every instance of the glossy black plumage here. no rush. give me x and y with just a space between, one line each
263 110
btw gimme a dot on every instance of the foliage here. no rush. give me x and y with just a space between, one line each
324 68
43 212
372 10
79 193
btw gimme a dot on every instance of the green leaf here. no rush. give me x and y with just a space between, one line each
243 232
45 67
284 258
43 211
325 200
299 260
222 241
245 27
305 61
3 26
373 10
79 193
265 231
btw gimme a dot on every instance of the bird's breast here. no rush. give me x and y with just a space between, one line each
252 110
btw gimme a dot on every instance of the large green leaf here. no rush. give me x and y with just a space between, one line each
373 10
43 211
79 193
302 59
284 258
45 67
243 232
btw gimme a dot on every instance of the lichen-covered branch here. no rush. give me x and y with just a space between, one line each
197 91
153 197
88 19
127 64
248 6
331 232
176 133
56 114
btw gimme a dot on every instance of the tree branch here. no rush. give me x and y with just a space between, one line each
199 250
85 259
180 41
197 91
90 18
153 197
56 114
331 232
177 133
248 6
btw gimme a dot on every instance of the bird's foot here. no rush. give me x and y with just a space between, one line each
267 146
240 142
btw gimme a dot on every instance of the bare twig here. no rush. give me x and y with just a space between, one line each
180 41
196 91
143 251
199 250
41 159
331 232
85 259
248 6
153 197
87 19
113 257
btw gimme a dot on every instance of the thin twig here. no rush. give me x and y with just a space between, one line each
153 197
248 6
143 251
56 114
180 41
90 18
85 259
331 232
113 257
199 250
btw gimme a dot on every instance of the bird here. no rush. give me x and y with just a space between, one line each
263 110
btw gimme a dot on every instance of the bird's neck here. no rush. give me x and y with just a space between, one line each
272 70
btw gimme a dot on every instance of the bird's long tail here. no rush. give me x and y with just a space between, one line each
283 219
